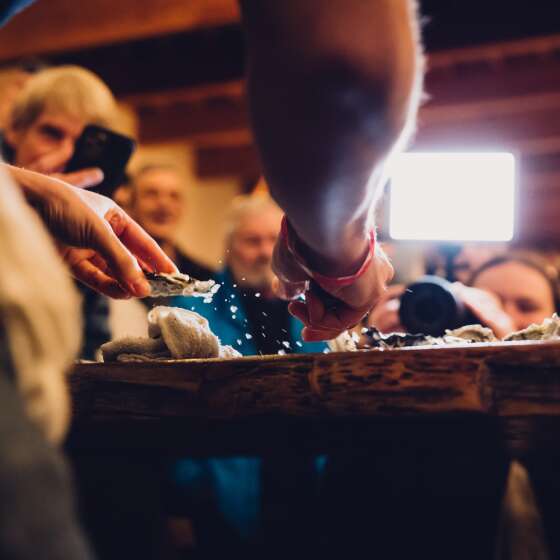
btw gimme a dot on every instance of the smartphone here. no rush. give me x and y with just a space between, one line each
100 147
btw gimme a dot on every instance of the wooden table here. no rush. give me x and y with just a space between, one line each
317 402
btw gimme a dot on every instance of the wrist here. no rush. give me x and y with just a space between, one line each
331 272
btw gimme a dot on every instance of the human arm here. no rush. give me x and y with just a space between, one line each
333 91
486 307
101 244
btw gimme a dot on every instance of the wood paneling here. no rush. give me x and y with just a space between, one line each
57 25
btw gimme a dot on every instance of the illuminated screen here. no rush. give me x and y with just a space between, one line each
452 196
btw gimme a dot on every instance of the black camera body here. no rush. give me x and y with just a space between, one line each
430 306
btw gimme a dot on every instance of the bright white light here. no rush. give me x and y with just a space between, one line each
453 196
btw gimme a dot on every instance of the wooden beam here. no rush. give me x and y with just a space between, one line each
60 25
232 406
239 161
495 52
175 62
190 113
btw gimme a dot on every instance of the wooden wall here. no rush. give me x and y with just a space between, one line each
179 65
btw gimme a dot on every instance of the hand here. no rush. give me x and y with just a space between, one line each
327 314
385 315
487 307
52 163
102 245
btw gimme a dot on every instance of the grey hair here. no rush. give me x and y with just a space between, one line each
246 205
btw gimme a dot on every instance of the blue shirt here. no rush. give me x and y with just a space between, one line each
228 319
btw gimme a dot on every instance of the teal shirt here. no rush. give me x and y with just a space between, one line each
228 319
230 488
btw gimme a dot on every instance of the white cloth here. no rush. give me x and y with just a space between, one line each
39 312
174 333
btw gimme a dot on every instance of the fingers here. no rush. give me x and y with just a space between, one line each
52 162
120 260
88 273
140 243
82 179
321 322
288 290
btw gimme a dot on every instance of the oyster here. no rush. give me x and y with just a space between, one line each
472 333
177 284
547 330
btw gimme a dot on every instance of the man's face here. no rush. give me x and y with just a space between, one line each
48 143
251 248
158 202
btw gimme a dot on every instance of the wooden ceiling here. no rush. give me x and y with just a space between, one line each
180 66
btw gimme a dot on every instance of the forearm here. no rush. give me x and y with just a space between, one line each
332 87
31 183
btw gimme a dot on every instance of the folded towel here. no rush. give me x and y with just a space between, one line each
174 333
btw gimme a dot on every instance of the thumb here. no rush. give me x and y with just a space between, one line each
83 178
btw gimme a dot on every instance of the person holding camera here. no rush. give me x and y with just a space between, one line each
507 293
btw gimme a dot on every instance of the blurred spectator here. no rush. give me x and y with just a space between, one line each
245 313
47 118
506 293
525 285
12 81
157 203
123 194
231 498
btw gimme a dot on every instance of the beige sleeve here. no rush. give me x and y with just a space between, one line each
39 312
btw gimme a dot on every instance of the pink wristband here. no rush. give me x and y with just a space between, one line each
329 283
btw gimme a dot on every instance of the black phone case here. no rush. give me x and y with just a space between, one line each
105 149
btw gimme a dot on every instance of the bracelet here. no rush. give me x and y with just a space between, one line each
329 283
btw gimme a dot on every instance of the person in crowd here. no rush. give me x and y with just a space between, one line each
524 283
246 313
12 81
507 293
47 118
157 202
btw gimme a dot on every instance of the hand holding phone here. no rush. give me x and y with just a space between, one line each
104 149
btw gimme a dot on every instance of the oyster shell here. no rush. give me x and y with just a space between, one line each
177 284
547 330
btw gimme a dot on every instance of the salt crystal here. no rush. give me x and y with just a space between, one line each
286 344
258 294
232 308
299 344
282 352
239 341
234 316
248 336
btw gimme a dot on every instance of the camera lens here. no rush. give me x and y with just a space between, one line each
430 307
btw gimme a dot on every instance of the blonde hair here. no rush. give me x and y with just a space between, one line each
68 89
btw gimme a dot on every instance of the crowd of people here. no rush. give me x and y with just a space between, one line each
345 111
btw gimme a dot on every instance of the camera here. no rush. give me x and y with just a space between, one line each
430 306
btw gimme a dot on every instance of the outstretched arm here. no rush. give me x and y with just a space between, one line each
101 244
334 88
